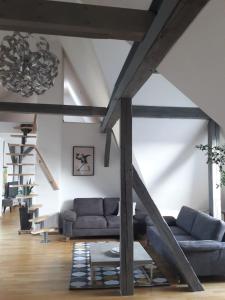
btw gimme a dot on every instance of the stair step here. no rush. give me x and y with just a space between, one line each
39 219
20 164
20 154
27 196
42 230
34 207
23 185
25 136
15 174
22 145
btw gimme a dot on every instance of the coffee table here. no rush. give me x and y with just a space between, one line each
100 255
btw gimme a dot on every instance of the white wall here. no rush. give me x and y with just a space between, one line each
49 142
174 171
105 182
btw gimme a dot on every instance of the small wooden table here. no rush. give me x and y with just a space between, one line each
100 256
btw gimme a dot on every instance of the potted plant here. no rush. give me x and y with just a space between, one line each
215 155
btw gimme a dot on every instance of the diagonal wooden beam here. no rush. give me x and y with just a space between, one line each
180 259
172 19
168 112
72 19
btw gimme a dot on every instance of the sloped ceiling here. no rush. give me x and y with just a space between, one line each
196 63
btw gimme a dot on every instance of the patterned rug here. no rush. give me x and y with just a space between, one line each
108 277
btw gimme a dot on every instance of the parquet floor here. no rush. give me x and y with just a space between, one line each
30 270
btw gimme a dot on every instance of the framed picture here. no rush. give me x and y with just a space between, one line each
83 161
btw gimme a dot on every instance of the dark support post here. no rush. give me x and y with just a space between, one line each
182 264
126 203
107 147
213 173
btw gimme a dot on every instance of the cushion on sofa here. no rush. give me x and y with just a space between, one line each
111 206
186 218
200 246
171 221
177 230
92 222
113 221
88 206
69 215
186 237
206 227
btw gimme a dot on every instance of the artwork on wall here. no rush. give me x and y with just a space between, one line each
83 161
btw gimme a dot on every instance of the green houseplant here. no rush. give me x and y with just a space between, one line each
215 155
28 188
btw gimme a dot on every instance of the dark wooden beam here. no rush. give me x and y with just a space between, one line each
168 238
213 172
107 147
72 19
126 203
140 111
67 110
172 19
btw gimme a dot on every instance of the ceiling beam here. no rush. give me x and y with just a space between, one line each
72 19
140 111
168 25
67 110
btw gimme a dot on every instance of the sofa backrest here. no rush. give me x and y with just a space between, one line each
186 218
111 206
88 206
206 227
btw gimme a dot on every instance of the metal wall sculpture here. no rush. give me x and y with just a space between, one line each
24 71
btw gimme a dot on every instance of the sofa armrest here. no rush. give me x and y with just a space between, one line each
201 246
171 221
69 215
67 228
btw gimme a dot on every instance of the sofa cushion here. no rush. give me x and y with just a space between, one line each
69 215
111 206
171 221
177 230
91 222
206 227
88 206
200 246
113 221
186 218
185 237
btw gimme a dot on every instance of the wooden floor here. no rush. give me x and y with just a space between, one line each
31 270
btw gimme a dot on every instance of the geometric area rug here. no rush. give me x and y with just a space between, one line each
107 277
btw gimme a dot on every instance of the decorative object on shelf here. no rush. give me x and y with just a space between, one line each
27 189
215 155
83 161
24 71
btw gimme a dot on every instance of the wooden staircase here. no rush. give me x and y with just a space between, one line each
18 154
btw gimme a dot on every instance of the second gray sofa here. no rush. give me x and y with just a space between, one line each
92 217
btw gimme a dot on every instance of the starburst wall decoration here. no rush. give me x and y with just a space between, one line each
24 71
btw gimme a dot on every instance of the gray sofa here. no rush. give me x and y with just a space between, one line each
92 217
201 237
